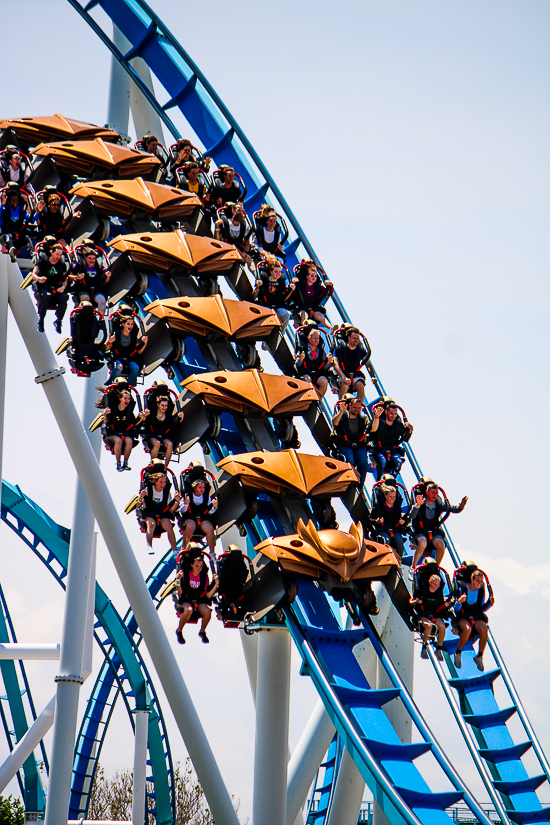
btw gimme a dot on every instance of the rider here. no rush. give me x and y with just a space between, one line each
471 603
120 427
90 278
351 430
388 433
312 362
426 523
52 217
431 607
158 428
349 355
271 289
228 190
184 155
50 277
386 514
88 335
156 507
234 229
194 509
310 293
124 344
13 169
194 589
15 215
268 232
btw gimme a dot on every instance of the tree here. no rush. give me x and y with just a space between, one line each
112 798
12 811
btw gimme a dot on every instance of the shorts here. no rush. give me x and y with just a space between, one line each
480 617
436 534
356 376
188 600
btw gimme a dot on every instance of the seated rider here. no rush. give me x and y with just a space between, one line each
120 427
16 168
386 515
387 434
225 189
430 605
271 290
150 143
53 214
184 154
310 293
190 181
472 600
349 356
88 335
123 345
159 426
15 216
50 278
232 227
155 507
196 507
90 277
350 434
268 232
427 517
194 592
313 362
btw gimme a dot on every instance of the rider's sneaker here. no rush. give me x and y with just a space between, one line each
439 654
458 658
424 652
179 637
479 662
203 637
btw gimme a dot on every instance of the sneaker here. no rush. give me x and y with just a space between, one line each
264 346
203 637
13 256
424 652
411 573
57 326
40 326
479 662
119 466
458 658
150 550
125 466
439 654
179 637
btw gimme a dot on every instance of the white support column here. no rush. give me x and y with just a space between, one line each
399 642
27 651
146 120
348 794
271 744
3 356
141 721
88 652
121 551
118 111
73 643
27 744
304 762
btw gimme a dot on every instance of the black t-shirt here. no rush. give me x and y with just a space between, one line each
94 277
56 274
350 359
228 194
388 436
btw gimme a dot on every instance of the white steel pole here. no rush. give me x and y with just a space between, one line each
27 744
121 552
3 354
16 650
308 754
271 743
141 722
118 111
73 642
88 652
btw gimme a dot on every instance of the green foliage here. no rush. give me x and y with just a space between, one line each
12 811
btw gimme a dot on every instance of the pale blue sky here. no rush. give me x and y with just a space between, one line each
411 141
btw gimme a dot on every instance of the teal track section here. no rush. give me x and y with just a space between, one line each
355 707
123 667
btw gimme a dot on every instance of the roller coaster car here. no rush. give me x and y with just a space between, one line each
422 575
91 157
286 473
343 564
156 466
216 318
178 252
34 130
236 577
109 399
85 346
128 198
